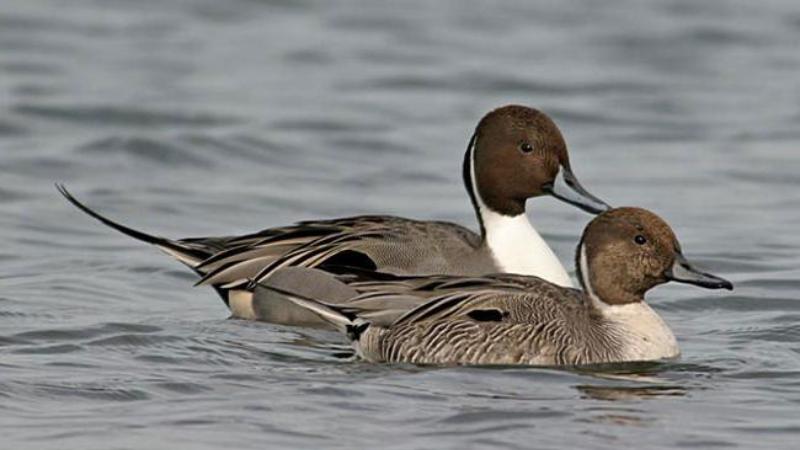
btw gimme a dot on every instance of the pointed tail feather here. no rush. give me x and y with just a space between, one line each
182 252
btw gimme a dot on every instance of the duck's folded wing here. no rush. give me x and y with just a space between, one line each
307 244
461 304
533 301
385 243
383 309
382 299
428 286
385 298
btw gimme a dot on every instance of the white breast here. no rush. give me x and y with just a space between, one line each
518 248
644 334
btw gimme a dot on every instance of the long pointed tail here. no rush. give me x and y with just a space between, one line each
182 252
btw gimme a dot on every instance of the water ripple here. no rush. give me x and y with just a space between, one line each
124 116
246 114
143 149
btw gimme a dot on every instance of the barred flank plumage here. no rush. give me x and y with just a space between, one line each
549 335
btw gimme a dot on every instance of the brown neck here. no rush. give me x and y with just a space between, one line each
606 289
490 200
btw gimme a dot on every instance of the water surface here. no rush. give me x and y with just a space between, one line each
203 117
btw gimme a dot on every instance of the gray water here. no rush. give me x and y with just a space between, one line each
204 117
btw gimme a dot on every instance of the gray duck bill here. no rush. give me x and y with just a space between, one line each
683 272
567 189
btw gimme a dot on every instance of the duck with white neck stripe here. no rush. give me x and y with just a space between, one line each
514 319
515 153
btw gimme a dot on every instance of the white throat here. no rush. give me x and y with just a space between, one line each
518 248
644 334
514 243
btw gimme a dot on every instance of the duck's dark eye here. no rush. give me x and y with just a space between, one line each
525 147
639 239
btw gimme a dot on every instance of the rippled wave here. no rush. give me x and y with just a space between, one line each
202 117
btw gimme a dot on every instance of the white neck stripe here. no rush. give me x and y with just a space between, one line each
482 208
586 280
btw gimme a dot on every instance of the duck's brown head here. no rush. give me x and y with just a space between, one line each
517 153
624 252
